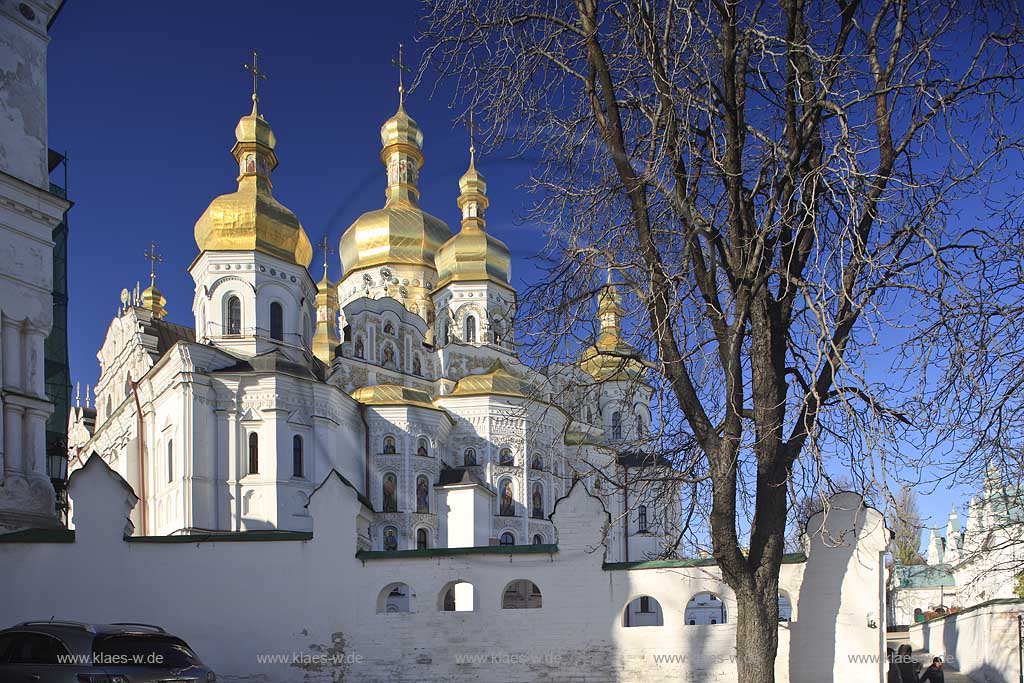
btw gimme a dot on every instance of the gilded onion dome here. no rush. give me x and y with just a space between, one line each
400 232
611 359
250 219
473 254
497 381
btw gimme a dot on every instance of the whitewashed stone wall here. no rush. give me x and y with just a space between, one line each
981 642
314 600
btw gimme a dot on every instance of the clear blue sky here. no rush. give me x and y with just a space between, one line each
144 98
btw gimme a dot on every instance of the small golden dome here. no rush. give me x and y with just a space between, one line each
473 254
154 300
250 219
497 381
400 232
611 359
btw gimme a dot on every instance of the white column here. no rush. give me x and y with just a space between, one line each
12 354
12 438
34 341
35 443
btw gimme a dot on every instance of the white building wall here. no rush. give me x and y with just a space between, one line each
234 601
28 215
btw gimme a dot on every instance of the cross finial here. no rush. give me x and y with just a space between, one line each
154 258
256 76
401 67
472 148
325 245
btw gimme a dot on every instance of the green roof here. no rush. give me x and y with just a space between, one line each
540 549
925 576
791 558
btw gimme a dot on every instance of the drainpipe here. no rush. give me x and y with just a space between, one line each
142 454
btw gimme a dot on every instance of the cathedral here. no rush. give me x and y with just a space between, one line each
403 377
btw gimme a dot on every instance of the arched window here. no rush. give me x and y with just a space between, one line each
506 458
394 598
643 611
639 427
389 445
417 366
110 406
590 415
641 519
170 461
507 538
538 539
389 538
616 425
521 594
537 463
307 333
297 464
276 321
704 609
234 316
423 447
254 453
422 543
537 501
469 331
389 492
469 457
457 596
422 495
785 608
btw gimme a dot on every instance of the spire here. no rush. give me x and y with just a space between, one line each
473 190
326 340
610 311
403 148
152 299
257 76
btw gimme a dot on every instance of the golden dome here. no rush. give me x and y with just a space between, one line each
473 254
611 359
496 381
154 300
393 395
400 232
250 219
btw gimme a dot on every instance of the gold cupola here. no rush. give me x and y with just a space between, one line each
250 219
611 359
473 254
400 233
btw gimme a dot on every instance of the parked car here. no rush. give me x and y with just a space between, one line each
73 652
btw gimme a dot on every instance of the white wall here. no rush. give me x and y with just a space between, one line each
235 601
981 642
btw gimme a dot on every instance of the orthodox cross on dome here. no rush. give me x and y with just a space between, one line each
256 76
401 67
154 258
472 148
325 245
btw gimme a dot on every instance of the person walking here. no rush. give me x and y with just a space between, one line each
933 674
906 664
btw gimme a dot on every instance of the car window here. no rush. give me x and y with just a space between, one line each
6 641
143 650
36 648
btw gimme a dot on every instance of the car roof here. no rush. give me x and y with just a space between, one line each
60 626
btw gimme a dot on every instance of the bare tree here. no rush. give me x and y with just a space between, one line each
906 524
779 187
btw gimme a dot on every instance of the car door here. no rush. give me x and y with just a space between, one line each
33 657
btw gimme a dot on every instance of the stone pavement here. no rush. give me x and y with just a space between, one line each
951 675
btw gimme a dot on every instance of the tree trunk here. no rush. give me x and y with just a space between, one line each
757 635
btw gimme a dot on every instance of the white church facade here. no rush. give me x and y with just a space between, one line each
402 376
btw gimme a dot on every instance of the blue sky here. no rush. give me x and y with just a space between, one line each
144 98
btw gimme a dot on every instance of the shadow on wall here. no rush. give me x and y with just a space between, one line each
832 544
